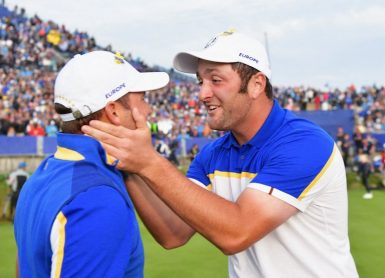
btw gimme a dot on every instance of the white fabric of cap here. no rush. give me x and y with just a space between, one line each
228 47
89 81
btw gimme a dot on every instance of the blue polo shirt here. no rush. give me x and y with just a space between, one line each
74 217
286 155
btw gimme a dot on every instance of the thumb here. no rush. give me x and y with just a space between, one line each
139 119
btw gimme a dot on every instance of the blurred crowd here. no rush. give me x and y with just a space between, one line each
360 155
31 53
368 103
32 50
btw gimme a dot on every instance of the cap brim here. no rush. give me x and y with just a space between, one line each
188 61
147 81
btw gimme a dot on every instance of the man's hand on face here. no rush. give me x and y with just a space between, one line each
131 147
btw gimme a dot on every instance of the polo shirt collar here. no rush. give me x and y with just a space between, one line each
76 147
271 125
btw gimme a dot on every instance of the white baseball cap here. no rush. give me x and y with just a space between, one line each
89 81
227 47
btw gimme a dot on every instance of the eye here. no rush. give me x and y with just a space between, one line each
216 80
199 82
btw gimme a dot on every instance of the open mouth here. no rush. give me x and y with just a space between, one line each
211 108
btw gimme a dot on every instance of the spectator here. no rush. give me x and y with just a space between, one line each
357 138
16 180
162 148
173 146
193 152
35 129
346 149
340 136
51 129
364 170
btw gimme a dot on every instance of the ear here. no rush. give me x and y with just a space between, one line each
257 85
112 112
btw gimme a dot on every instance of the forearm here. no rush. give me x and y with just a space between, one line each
216 219
166 227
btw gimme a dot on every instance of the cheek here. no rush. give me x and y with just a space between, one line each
130 124
240 105
145 109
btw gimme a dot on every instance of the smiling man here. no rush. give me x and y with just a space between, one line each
74 217
271 193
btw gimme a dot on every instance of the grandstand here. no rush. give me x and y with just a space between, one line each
33 50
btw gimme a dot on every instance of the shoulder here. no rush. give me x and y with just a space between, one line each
299 132
86 175
102 194
298 143
102 203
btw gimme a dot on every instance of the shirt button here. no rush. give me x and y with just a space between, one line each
242 157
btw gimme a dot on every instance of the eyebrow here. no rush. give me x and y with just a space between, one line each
206 71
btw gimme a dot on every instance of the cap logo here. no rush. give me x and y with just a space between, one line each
114 91
228 32
248 57
225 33
119 59
210 43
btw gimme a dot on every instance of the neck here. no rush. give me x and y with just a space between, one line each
254 121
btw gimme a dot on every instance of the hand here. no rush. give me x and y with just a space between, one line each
132 147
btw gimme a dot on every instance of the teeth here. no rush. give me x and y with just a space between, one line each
212 107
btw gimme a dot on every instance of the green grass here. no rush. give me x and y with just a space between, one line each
367 232
196 259
7 250
200 259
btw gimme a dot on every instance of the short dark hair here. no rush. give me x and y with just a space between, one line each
74 126
245 73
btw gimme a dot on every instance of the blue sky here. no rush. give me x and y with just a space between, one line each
310 42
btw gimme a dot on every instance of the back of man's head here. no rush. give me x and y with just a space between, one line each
88 82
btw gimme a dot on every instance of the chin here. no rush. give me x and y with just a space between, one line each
216 126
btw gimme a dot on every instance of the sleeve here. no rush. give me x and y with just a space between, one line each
296 171
94 235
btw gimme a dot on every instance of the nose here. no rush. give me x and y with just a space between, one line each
205 92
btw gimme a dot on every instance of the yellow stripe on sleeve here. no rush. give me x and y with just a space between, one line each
232 175
60 252
327 165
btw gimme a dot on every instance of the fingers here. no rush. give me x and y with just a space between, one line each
139 119
110 150
99 128
115 155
